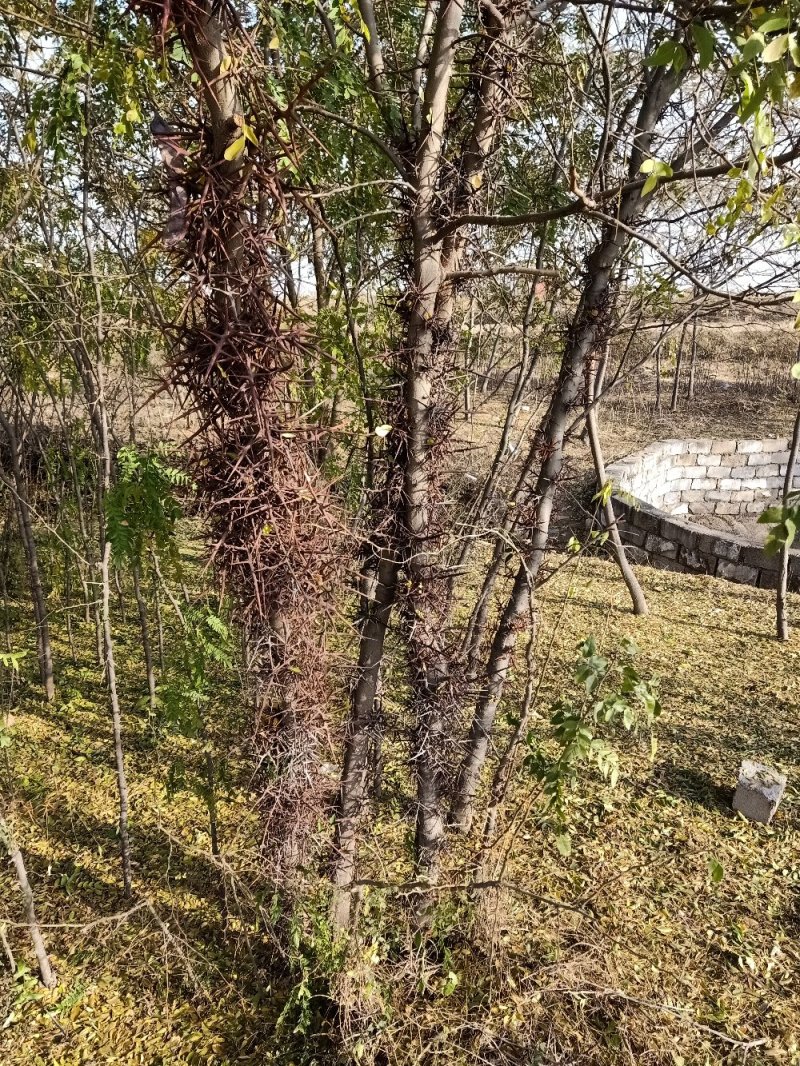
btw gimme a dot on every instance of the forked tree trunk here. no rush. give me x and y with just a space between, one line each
581 341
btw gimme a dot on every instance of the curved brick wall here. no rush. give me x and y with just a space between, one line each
661 494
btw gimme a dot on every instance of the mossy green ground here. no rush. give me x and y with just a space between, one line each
656 953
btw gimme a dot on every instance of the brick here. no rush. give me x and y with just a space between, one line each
759 791
741 472
670 498
743 575
701 447
702 507
768 470
712 460
723 471
729 484
693 496
695 471
727 508
742 496
675 473
722 446
704 483
745 447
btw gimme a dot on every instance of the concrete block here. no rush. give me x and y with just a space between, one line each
741 472
726 549
702 507
722 471
658 546
776 445
767 579
722 446
693 495
674 447
697 562
742 575
746 447
695 471
713 460
704 483
700 447
742 496
727 508
729 484
768 470
759 790
680 508
754 508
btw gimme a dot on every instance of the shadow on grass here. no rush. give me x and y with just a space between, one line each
695 785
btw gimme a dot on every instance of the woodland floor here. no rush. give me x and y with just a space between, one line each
651 954
676 939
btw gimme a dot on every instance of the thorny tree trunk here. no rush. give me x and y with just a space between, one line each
18 488
609 518
783 578
15 855
581 341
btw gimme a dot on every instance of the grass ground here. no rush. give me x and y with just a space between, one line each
677 937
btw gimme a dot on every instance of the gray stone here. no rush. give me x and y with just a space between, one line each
662 547
742 575
722 446
759 791
748 446
778 445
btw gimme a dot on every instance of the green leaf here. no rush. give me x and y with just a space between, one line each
663 55
649 185
754 46
716 871
704 43
564 845
795 371
773 23
234 150
776 49
680 59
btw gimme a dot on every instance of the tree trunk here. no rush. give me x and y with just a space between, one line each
353 788
144 623
18 488
610 519
783 579
45 969
589 319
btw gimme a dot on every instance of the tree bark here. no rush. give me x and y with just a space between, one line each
45 969
638 600
18 488
581 341
783 578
